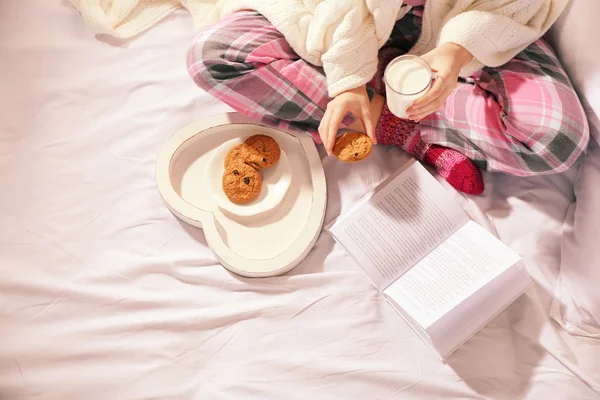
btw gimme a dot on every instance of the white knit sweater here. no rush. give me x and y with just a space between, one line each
344 36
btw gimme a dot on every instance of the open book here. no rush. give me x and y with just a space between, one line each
445 275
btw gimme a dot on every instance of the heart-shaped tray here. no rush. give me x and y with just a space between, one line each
259 244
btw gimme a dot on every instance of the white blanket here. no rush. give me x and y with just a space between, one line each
106 295
124 19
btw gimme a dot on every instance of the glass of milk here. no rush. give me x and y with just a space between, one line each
406 79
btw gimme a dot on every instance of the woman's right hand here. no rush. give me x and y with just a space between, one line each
354 101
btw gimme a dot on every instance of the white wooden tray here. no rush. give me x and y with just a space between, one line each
267 244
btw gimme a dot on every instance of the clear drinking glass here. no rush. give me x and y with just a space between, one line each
406 78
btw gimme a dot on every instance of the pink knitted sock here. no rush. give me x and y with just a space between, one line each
455 167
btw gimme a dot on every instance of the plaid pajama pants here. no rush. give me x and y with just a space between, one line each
523 118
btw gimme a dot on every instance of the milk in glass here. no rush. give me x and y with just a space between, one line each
407 78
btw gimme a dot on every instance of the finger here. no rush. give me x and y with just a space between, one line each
447 89
368 124
429 111
433 107
433 93
418 114
323 129
430 108
334 125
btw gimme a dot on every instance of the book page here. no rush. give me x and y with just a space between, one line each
470 316
399 225
450 274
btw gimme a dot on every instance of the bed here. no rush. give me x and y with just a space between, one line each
104 294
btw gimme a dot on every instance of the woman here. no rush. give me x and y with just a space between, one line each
501 100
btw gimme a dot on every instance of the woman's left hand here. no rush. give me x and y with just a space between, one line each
354 101
447 61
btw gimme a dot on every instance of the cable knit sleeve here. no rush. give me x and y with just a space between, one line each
351 61
350 56
342 36
496 36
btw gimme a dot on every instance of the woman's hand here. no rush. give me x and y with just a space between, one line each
447 61
356 102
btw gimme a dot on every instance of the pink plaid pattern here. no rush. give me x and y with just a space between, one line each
523 118
246 63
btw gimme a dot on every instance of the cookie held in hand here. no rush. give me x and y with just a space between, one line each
241 183
352 147
268 149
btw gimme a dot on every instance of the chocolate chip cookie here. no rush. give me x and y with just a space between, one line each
268 149
352 147
244 153
241 183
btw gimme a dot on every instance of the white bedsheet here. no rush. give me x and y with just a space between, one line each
577 299
106 295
